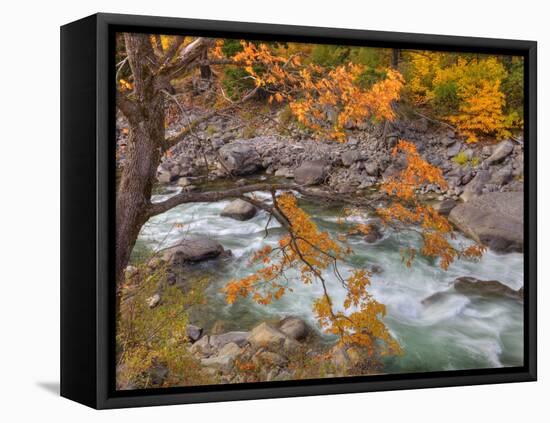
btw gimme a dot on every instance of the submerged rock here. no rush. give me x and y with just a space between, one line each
471 286
239 210
494 219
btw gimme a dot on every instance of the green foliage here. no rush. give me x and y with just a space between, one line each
513 88
231 47
329 55
236 81
155 336
445 98
475 161
461 158
249 131
211 130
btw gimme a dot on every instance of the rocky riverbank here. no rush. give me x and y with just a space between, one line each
471 170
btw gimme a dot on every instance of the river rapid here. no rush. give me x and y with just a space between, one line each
452 332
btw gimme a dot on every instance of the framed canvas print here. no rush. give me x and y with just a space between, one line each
256 211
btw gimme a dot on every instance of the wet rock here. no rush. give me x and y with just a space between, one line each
471 286
501 151
311 172
494 219
294 327
192 250
240 158
239 210
374 234
376 269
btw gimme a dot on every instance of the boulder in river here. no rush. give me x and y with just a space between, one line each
239 209
374 234
471 286
192 250
311 172
494 219
240 158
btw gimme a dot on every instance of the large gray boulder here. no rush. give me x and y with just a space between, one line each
311 172
494 219
239 210
270 338
192 250
445 207
350 157
238 337
294 327
500 152
471 286
474 188
240 158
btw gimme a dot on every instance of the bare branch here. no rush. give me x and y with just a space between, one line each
188 56
211 196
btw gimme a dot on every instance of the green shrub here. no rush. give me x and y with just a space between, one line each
461 158
156 336
475 161
328 55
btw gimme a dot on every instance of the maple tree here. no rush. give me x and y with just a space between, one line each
325 100
467 91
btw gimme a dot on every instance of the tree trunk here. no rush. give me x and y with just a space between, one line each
146 135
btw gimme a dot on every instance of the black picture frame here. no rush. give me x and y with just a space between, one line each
87 211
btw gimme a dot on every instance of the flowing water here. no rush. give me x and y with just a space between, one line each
450 332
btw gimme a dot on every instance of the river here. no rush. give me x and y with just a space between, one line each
452 333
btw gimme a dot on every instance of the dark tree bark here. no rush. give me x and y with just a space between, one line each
145 114
144 109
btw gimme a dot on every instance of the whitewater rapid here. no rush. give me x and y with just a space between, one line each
451 333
